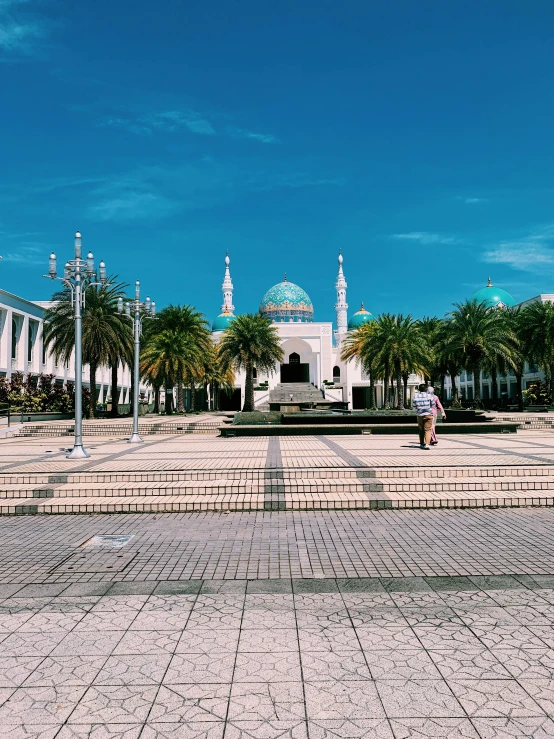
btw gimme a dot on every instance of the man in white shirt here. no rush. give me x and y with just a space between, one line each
423 404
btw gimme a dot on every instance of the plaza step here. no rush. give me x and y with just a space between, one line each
118 429
528 423
252 502
260 474
426 489
302 392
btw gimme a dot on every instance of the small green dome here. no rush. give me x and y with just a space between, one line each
287 302
494 297
222 321
359 318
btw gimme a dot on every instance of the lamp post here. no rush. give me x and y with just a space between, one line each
74 271
140 311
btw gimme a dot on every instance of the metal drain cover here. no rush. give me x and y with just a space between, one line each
95 562
107 541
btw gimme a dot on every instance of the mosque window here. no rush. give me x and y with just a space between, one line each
294 358
336 374
254 373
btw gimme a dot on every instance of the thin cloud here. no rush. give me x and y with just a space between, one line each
178 121
471 200
152 193
426 238
27 253
526 256
20 29
243 133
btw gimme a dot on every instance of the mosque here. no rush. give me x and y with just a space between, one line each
312 369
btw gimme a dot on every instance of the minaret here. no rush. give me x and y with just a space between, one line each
341 306
227 288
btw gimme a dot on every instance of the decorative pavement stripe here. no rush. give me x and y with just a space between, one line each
274 488
350 459
532 457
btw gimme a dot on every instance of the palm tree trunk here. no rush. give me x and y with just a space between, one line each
399 392
372 398
168 399
156 399
180 404
455 397
93 392
551 383
477 387
386 392
249 390
405 378
192 397
115 395
494 386
519 391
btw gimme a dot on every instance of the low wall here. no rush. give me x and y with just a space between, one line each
373 429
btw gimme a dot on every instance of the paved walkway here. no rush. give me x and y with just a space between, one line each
365 624
465 657
295 544
198 473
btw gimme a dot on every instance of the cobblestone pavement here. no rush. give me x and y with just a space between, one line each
396 658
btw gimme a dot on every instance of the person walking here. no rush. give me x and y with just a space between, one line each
438 407
423 403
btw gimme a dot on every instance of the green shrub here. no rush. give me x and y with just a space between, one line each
257 417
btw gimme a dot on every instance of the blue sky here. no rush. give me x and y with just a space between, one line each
417 137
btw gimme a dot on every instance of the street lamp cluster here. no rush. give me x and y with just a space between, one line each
75 271
137 312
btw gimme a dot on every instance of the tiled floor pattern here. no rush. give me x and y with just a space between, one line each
296 544
205 452
199 473
383 659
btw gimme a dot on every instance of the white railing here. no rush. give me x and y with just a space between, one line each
260 399
335 394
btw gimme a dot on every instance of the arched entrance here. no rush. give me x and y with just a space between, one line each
294 370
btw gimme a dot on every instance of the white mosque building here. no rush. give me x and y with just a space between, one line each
312 368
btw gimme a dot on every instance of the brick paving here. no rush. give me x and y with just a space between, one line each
277 544
206 473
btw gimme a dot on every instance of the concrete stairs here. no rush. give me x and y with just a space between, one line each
302 392
527 422
118 428
276 489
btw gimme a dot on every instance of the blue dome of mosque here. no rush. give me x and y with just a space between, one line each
494 297
359 318
287 302
222 321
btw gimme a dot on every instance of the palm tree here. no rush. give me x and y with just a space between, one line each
359 346
189 322
106 333
538 328
250 341
431 329
401 348
164 360
477 335
217 377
